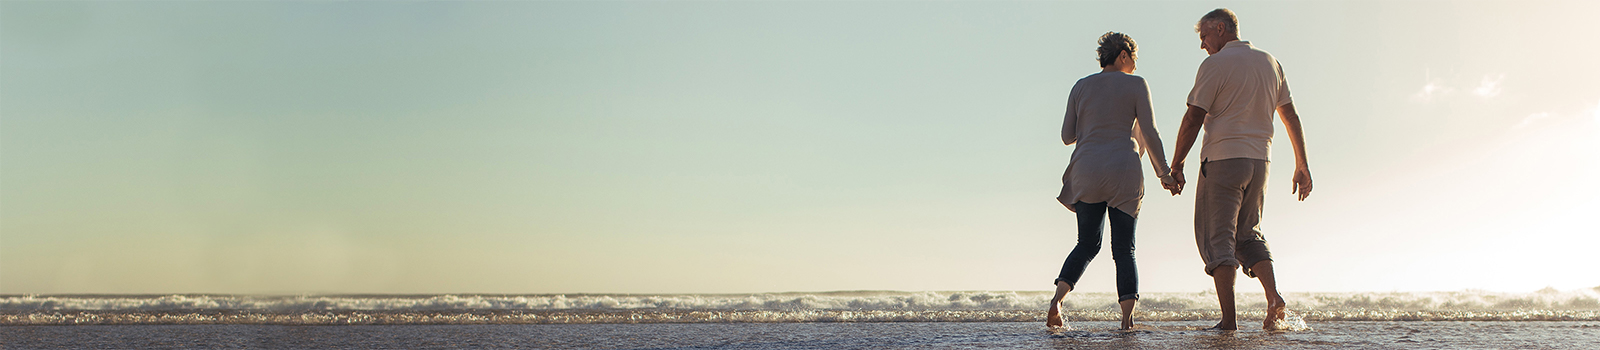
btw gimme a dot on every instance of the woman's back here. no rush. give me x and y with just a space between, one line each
1106 105
1109 118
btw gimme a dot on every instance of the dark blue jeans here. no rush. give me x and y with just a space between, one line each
1091 216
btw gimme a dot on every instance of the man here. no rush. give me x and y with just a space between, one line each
1235 93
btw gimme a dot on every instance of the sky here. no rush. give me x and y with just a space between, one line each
736 147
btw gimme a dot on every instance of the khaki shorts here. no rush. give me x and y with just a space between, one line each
1227 213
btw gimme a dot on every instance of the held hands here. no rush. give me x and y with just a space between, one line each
1302 182
1174 181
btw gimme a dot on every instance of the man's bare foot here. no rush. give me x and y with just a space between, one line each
1127 324
1053 319
1276 312
1224 326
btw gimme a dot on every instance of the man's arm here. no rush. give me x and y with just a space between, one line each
1297 137
1188 131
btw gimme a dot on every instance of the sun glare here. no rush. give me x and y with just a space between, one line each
1596 112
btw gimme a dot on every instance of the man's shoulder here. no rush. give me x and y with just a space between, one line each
1243 55
1250 50
1218 62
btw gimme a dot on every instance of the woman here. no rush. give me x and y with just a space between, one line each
1108 117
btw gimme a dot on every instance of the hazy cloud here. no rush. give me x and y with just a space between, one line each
1592 111
1528 120
1487 87
1431 90
1490 87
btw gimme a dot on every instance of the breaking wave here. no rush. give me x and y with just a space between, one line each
857 306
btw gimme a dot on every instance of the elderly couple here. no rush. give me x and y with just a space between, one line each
1108 116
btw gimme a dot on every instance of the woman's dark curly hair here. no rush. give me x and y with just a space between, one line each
1113 44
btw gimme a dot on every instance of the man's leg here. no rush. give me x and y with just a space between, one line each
1223 277
1252 249
1218 198
1277 310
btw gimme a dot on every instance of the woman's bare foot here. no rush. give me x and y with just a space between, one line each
1127 312
1053 320
1276 311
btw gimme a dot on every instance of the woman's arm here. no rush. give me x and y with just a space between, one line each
1069 127
1144 132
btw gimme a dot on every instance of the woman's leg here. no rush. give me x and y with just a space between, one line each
1122 228
1090 217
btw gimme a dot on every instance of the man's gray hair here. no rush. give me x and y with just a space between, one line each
1230 22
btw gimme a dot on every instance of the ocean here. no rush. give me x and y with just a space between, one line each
1547 319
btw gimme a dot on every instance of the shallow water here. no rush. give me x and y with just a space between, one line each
820 320
860 306
888 335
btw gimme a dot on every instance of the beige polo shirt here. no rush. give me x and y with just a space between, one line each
1240 87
